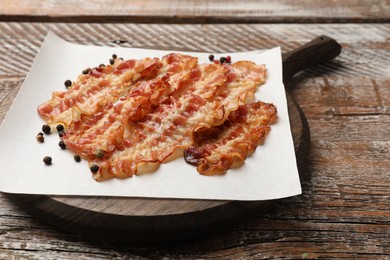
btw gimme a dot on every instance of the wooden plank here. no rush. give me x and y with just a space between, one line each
260 238
344 208
192 11
363 54
333 98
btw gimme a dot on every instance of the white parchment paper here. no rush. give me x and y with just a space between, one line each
270 173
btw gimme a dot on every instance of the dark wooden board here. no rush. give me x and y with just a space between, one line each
157 220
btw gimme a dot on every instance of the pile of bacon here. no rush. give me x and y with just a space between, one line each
129 117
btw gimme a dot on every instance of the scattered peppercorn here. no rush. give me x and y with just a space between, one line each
62 145
228 59
99 153
47 160
114 56
40 138
102 65
40 133
94 168
60 128
222 59
68 83
86 71
211 57
112 61
61 134
77 158
46 129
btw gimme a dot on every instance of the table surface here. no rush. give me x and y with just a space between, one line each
344 211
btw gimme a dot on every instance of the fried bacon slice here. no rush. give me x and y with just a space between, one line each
220 148
95 89
160 136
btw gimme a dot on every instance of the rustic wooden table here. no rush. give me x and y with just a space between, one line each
344 211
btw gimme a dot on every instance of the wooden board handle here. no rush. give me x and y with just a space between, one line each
319 50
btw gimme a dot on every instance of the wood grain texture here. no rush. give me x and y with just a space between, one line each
364 54
344 209
194 11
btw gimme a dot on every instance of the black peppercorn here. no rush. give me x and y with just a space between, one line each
47 160
77 158
228 59
40 138
114 56
112 61
60 128
62 145
68 83
46 129
211 57
94 168
61 134
86 71
222 59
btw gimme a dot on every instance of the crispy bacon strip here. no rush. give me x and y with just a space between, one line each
243 79
219 148
159 136
94 90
